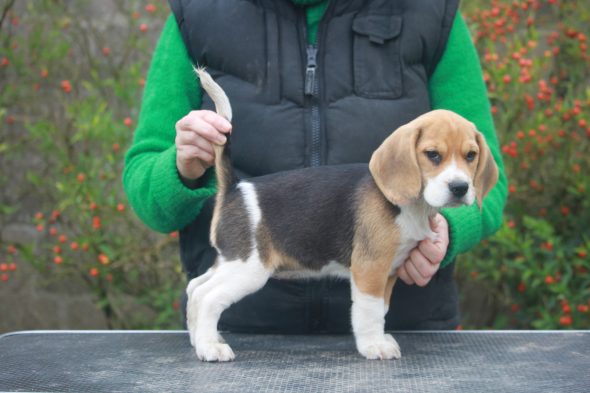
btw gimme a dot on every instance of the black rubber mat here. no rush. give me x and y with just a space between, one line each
165 362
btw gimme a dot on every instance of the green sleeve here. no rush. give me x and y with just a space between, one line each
457 84
150 177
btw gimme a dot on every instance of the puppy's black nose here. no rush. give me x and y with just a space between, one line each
458 188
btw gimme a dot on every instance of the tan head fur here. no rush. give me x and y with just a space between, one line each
439 156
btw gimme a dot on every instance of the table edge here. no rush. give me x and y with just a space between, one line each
459 332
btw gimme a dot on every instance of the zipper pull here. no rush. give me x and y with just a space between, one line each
310 70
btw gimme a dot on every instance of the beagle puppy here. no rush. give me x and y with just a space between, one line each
358 222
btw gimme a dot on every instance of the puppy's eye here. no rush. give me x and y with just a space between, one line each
470 156
434 156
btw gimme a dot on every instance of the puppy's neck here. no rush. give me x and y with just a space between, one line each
414 219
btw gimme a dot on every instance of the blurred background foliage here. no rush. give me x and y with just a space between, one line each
71 78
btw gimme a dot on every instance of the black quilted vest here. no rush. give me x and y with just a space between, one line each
297 105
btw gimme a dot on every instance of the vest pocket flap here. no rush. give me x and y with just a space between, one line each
378 28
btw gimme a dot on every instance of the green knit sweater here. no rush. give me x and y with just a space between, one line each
165 204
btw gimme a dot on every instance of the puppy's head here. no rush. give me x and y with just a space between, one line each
439 156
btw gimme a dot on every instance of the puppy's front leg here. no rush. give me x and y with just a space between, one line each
368 322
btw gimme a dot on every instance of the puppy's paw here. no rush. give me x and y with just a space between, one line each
214 352
384 347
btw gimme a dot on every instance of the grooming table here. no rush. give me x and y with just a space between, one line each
164 361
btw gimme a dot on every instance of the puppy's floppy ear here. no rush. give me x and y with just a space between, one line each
486 174
394 165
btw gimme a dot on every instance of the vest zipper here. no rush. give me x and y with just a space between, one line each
312 91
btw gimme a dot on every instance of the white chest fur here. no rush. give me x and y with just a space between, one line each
414 224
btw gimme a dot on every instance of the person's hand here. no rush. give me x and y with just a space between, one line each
195 134
425 259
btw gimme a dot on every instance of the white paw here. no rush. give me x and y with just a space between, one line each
384 347
214 352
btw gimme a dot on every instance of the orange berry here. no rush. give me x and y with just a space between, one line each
565 320
3 267
150 8
96 222
143 27
66 86
4 277
549 280
74 246
103 259
12 266
53 231
62 238
120 207
93 272
81 177
128 121
583 308
56 249
58 260
106 51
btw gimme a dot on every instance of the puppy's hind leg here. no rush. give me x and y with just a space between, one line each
230 282
192 303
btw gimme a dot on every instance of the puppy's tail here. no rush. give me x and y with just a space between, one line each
223 167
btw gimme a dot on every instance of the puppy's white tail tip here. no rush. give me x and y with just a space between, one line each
222 105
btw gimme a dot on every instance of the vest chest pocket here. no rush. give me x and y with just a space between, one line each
376 56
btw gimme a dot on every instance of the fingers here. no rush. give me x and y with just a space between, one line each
424 260
188 153
434 252
188 138
195 134
205 124
419 269
403 275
